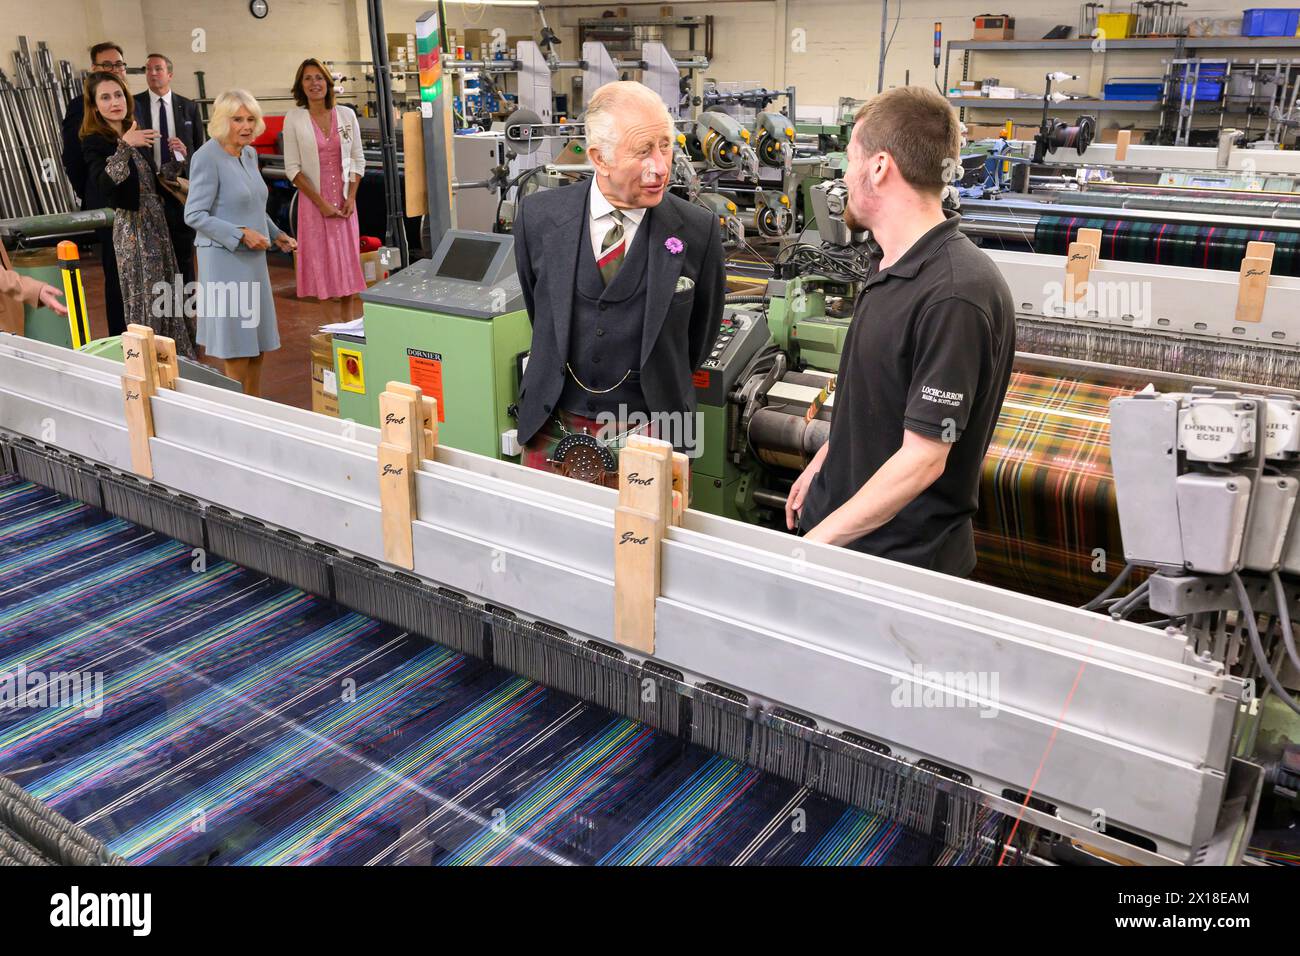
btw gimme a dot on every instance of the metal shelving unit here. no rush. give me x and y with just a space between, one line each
1183 48
626 34
1036 103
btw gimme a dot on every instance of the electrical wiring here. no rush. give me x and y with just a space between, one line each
1261 659
848 264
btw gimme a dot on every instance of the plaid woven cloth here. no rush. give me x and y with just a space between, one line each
1047 498
1186 244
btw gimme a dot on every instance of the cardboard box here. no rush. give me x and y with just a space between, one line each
995 27
324 382
1112 135
372 268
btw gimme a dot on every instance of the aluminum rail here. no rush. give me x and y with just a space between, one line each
1024 213
1103 714
1181 301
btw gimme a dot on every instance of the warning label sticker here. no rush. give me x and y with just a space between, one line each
426 375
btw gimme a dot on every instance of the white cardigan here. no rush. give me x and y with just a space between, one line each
301 155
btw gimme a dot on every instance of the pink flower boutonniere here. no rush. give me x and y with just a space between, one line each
673 245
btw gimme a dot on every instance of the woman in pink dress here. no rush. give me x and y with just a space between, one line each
325 161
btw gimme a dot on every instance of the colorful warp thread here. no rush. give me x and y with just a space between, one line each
247 722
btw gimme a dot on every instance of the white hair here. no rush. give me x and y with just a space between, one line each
608 108
227 105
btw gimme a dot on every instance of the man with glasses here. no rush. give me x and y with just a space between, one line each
105 58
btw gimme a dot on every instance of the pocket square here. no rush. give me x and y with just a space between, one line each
684 283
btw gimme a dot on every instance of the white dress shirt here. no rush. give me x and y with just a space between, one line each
154 100
602 220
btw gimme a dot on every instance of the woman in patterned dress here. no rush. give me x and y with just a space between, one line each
324 160
110 140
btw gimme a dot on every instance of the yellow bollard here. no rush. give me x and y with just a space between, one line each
73 295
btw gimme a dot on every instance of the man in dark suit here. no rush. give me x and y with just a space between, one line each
624 285
177 121
105 57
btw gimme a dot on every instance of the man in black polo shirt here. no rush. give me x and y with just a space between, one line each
926 360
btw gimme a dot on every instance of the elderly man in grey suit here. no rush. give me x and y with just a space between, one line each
624 285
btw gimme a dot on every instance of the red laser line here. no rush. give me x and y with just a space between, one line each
1037 773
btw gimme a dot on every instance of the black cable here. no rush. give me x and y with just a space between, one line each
518 181
1261 658
845 263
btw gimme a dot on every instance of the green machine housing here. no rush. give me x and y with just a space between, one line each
454 325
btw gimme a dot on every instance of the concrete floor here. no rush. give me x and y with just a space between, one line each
286 377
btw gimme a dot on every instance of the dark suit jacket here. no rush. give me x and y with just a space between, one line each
74 162
96 152
185 122
680 327
186 125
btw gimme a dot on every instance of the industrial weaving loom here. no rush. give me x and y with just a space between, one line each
814 678
222 699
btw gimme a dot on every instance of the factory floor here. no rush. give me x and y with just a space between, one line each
286 377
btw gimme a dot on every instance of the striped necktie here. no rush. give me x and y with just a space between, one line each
612 249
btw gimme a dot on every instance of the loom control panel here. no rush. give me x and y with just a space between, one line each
741 333
470 274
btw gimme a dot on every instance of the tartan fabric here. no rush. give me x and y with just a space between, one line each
1047 498
537 453
1204 247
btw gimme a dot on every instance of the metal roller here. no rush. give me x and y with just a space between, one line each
32 107
783 438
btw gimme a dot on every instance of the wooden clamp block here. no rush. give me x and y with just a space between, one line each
168 371
1121 144
680 485
139 383
1080 260
140 355
400 437
1252 288
429 415
139 423
1091 237
640 521
150 356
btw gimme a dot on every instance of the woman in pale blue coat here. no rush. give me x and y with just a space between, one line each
227 210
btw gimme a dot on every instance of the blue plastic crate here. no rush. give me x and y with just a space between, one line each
1270 21
1133 88
1205 89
